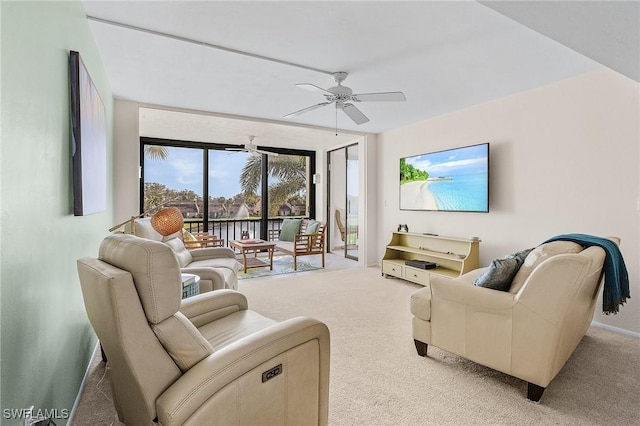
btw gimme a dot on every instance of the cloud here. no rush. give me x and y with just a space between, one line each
187 171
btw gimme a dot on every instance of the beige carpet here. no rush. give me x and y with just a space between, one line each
377 378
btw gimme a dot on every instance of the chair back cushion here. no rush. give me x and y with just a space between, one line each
182 254
155 271
290 227
144 229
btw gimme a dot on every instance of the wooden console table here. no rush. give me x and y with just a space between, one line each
453 256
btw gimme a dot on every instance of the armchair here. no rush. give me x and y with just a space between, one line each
207 359
529 331
303 242
216 266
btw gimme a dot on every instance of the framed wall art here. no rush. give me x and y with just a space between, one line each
88 141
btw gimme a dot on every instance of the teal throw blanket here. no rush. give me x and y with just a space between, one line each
616 278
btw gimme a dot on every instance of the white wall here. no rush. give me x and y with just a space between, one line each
127 154
564 158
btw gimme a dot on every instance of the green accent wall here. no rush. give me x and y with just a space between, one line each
46 340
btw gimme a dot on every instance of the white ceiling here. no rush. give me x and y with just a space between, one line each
444 55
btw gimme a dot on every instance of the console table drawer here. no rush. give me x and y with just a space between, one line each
416 275
392 268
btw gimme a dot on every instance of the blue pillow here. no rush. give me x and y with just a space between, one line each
312 227
501 271
290 227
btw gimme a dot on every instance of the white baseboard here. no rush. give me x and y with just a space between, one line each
82 386
616 329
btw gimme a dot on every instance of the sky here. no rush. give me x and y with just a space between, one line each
183 170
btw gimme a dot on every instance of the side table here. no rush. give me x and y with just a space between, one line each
190 285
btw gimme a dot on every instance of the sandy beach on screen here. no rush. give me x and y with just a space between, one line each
417 196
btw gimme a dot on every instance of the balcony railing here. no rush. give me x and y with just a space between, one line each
232 229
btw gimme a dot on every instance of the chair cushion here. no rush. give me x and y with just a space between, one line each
234 327
285 246
539 255
182 254
216 262
159 288
290 227
182 341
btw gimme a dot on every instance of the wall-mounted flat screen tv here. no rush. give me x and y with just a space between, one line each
453 180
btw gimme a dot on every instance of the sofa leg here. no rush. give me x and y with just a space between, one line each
421 347
534 392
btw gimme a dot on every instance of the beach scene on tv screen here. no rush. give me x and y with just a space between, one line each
452 180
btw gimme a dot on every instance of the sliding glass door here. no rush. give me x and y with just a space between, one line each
244 191
343 189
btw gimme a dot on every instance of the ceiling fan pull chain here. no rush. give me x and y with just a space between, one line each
336 119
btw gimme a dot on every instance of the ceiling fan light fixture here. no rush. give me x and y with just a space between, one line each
343 95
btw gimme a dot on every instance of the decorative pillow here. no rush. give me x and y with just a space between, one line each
499 275
539 255
290 227
501 271
190 241
312 227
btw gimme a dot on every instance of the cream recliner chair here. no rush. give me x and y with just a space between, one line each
202 360
217 267
529 331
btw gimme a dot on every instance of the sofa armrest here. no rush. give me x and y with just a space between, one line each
461 291
306 243
209 273
211 252
195 391
207 307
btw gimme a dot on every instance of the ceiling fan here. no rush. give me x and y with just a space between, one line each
252 148
343 96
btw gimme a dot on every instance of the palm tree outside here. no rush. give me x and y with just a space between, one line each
288 179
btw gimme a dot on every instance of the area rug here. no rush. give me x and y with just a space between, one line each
281 265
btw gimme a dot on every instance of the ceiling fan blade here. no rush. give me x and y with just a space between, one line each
355 114
379 97
313 88
259 151
302 111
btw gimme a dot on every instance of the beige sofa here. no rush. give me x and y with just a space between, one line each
205 360
529 331
216 266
